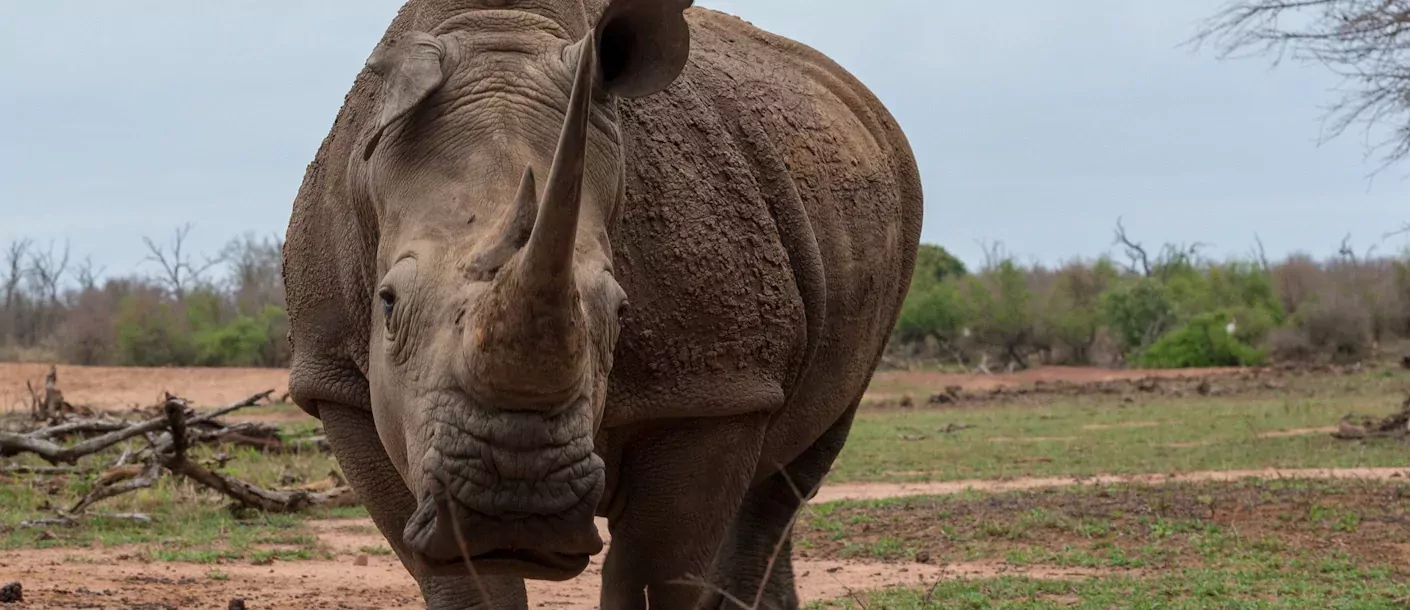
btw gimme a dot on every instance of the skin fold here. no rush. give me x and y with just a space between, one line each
559 259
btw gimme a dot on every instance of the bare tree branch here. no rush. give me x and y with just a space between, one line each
1365 42
87 274
48 269
178 272
1260 254
1135 252
15 269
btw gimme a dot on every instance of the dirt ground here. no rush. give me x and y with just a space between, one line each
113 577
120 388
121 577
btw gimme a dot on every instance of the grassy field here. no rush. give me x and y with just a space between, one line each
1249 543
1295 544
1083 436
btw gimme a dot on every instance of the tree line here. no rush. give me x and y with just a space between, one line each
1170 307
1156 307
177 309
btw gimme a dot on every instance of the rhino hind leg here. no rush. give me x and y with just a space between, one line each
353 438
763 520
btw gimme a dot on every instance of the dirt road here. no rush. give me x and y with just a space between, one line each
113 578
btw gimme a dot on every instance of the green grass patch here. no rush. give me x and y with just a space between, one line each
1087 435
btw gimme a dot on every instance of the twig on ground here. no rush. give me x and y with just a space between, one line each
147 478
41 470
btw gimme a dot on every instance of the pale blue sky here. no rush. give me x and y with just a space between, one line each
1035 123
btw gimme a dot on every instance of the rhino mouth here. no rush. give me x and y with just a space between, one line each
539 565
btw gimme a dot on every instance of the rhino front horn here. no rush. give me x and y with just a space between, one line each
547 264
527 350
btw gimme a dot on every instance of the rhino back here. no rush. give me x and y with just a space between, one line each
767 238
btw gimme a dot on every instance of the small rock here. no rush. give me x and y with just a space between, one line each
360 561
237 604
922 556
12 593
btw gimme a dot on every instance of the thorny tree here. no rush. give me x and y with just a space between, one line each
1366 42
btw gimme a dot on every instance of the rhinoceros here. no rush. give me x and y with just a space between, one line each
503 180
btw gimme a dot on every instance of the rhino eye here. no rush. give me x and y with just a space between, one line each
389 302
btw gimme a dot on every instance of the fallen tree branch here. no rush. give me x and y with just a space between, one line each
54 453
240 491
70 520
84 426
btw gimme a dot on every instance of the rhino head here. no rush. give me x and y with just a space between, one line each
494 166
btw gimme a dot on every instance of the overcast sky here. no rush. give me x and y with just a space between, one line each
1035 123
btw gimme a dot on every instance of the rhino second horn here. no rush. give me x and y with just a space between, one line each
547 265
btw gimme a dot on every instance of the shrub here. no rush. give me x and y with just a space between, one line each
1203 342
1138 312
1069 316
1290 345
235 344
150 332
1338 325
999 300
937 312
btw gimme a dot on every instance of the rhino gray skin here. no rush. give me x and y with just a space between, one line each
501 180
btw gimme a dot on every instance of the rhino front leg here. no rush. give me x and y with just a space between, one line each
681 485
746 560
353 437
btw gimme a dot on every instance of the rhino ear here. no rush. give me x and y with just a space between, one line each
642 45
412 67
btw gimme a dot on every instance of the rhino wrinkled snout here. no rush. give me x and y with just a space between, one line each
516 493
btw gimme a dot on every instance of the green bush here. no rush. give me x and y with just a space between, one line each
1070 314
150 332
999 300
237 343
1138 312
1203 342
937 312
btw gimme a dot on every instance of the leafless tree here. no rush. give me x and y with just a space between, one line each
1260 254
15 269
1135 252
1348 253
178 272
1365 42
256 271
1403 230
1170 256
87 274
48 268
